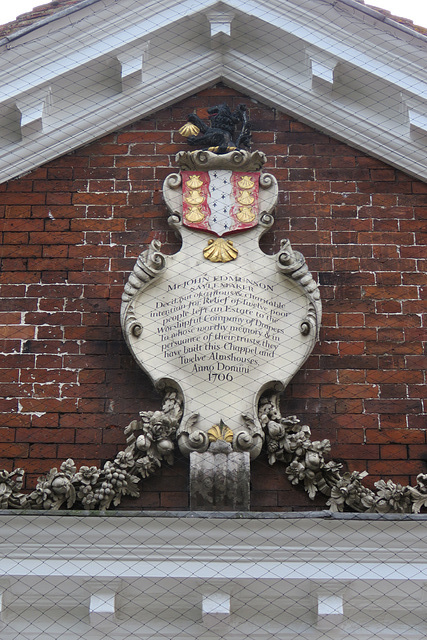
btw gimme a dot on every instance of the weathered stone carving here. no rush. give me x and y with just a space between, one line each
237 160
220 478
148 267
293 263
153 437
290 442
151 440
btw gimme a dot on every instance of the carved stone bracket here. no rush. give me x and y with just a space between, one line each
220 479
292 263
148 267
238 160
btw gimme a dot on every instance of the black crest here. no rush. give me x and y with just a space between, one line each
228 129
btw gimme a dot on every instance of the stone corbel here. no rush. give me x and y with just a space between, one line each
102 603
322 71
220 26
330 607
132 66
32 108
216 607
417 117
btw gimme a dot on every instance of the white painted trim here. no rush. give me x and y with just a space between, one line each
337 39
102 571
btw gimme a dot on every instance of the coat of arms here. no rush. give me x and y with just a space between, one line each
220 333
220 201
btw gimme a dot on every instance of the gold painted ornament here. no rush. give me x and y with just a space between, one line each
220 432
245 214
189 129
195 197
245 198
220 250
246 183
194 182
194 214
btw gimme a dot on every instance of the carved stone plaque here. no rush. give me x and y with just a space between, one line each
222 331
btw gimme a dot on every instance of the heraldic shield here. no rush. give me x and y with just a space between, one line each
220 201
220 321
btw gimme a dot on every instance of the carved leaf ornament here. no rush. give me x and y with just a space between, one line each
222 339
152 440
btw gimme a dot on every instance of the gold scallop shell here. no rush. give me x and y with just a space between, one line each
194 197
245 214
246 183
220 250
194 182
189 129
220 432
194 214
245 198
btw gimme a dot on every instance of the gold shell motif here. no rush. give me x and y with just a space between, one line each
220 250
194 182
246 183
220 432
194 214
245 198
194 197
245 214
189 129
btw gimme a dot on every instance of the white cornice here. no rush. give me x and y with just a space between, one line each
68 82
176 569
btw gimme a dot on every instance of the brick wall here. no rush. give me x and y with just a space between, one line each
72 231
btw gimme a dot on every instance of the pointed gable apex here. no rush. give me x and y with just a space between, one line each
98 65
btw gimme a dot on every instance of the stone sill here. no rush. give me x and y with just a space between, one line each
223 515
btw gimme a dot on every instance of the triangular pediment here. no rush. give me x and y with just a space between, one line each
98 66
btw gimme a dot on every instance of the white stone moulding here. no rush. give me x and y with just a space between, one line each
221 332
72 576
306 49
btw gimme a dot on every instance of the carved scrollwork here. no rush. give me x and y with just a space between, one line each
266 220
148 266
237 160
292 263
173 180
172 194
191 438
268 194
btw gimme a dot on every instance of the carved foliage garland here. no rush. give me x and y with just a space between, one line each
290 442
151 439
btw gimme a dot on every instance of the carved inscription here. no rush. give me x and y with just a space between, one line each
221 326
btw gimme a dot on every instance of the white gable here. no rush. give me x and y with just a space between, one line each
99 65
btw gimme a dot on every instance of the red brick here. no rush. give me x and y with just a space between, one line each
401 467
368 371
393 452
393 406
356 452
391 436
